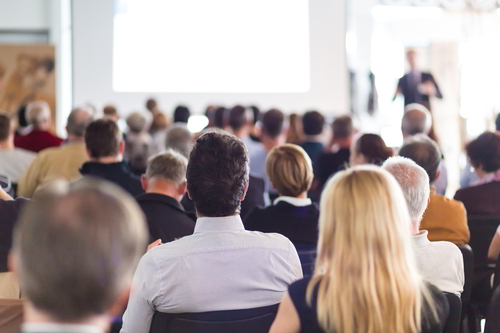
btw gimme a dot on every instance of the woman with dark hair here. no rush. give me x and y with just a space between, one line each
369 149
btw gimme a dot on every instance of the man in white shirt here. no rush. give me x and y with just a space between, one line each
75 251
13 161
221 266
440 263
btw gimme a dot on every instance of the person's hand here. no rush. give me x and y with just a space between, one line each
4 195
155 244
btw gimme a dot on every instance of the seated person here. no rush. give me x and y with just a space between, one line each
39 116
481 198
293 214
105 147
165 185
221 266
369 149
440 263
75 251
312 126
360 277
445 219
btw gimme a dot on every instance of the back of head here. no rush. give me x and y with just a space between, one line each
76 250
181 114
273 123
485 151
217 174
102 138
237 117
37 113
373 149
78 120
423 151
159 123
416 120
179 138
256 113
151 104
365 261
312 123
6 127
290 170
136 122
414 182
342 127
220 117
110 111
169 165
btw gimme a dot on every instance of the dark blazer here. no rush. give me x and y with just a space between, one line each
254 197
331 163
480 199
9 212
118 173
314 150
411 93
166 217
299 224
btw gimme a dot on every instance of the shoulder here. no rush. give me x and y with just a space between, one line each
447 248
447 203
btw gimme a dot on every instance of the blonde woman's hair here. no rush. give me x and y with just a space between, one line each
290 170
365 271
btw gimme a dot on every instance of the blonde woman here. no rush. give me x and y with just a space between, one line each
366 279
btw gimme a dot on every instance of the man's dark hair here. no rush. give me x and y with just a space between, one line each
220 117
313 122
181 114
423 151
102 138
273 123
256 113
110 110
342 127
217 174
497 123
237 117
5 126
485 151
151 104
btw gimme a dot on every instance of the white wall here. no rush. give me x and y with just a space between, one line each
92 57
24 14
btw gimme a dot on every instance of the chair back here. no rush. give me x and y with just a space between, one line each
257 320
493 319
11 315
468 256
453 322
482 229
307 256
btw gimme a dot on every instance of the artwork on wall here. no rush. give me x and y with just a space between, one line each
27 73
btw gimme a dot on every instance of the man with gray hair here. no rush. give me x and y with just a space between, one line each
179 138
67 244
61 162
165 185
39 117
440 263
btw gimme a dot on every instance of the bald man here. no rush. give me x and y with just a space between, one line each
59 163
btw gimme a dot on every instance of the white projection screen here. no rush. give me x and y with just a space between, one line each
288 54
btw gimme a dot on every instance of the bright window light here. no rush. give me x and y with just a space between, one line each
392 136
197 123
390 13
475 126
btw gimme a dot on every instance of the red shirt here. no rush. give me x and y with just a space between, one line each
37 140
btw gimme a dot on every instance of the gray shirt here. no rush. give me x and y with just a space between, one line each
13 163
220 267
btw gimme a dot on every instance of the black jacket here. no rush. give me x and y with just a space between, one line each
166 217
118 173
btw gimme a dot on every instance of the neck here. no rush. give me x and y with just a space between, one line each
7 144
270 143
341 142
241 133
302 195
415 228
312 138
164 188
108 159
74 138
35 316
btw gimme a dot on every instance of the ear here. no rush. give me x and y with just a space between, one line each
144 183
122 147
245 192
118 307
189 195
181 190
438 173
88 153
273 186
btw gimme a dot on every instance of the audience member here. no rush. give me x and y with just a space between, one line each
445 219
179 138
369 149
482 197
366 279
216 267
38 115
13 161
181 114
221 117
293 214
158 131
105 147
295 132
312 125
136 123
440 263
111 113
139 144
75 252
165 185
255 130
241 123
59 162
331 162
152 106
